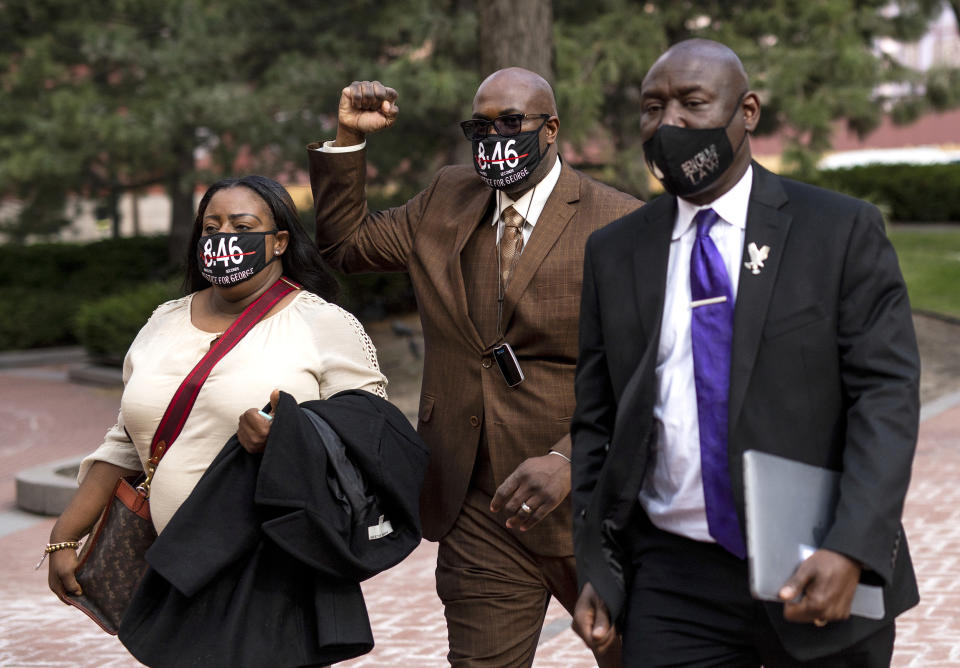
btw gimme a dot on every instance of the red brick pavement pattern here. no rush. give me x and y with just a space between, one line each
43 419
929 635
59 420
405 613
35 628
409 629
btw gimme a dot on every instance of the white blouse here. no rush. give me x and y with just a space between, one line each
310 349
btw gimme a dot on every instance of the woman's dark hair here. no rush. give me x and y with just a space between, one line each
301 260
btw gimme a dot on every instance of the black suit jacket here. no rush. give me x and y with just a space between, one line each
824 370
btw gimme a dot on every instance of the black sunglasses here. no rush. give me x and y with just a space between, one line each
506 126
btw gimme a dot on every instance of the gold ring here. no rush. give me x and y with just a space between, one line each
820 622
525 508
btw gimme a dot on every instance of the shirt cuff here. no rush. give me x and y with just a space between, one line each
328 147
563 447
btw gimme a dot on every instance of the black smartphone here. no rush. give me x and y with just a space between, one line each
509 366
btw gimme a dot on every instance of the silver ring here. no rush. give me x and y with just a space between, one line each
525 508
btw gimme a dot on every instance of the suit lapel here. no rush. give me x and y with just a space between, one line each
651 254
767 225
551 223
476 209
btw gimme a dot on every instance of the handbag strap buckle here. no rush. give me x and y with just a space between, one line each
151 468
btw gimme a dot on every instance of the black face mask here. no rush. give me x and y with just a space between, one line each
503 162
688 160
228 259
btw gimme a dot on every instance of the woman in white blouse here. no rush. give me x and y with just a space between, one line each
305 345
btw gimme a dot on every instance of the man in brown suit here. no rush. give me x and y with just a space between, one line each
496 492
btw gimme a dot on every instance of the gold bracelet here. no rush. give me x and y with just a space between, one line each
55 547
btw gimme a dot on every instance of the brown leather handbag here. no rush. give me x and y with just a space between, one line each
112 561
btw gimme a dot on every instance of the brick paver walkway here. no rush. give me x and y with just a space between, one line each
43 418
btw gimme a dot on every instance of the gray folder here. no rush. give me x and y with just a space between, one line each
789 508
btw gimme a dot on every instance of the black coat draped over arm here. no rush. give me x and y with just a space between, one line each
261 564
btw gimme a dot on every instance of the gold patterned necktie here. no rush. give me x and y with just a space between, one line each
511 243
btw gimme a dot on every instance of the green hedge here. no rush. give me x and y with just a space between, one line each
35 318
100 294
905 193
43 286
93 269
107 327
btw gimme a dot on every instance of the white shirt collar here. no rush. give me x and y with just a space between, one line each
731 206
531 204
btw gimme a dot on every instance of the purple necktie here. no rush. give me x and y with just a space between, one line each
711 329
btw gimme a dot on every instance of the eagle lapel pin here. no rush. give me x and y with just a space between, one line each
757 256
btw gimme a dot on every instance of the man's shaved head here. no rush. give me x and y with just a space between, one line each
708 55
530 85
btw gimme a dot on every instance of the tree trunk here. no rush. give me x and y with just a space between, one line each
115 212
180 187
516 33
135 211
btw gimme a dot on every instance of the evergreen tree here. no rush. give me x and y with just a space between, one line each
107 96
111 95
812 61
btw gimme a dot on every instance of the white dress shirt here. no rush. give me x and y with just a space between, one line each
672 492
328 147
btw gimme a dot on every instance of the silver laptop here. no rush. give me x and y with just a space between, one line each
789 509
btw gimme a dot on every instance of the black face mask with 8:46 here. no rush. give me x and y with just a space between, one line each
227 259
505 161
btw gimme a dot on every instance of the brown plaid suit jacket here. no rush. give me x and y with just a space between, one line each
462 389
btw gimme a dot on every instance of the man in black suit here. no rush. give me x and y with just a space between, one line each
740 311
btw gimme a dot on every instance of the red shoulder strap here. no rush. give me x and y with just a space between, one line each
180 406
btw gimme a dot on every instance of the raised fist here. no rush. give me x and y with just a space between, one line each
366 106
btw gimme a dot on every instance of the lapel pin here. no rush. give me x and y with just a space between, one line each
757 256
